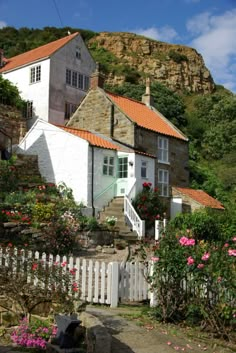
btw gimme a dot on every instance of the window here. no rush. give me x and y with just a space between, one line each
163 182
123 167
78 53
163 153
70 108
77 80
86 83
68 77
143 169
80 81
108 165
29 109
74 79
35 74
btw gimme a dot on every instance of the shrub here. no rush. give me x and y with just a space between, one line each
177 57
148 205
194 277
203 224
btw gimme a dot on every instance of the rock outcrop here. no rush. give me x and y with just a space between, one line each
179 67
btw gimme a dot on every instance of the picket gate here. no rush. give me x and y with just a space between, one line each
98 282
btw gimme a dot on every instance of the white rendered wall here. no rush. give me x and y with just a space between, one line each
62 157
104 185
59 91
37 92
150 171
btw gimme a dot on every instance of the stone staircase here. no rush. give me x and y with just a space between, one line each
116 209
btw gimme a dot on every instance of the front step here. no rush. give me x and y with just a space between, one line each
116 209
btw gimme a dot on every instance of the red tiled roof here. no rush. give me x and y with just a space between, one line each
144 116
90 137
36 54
201 197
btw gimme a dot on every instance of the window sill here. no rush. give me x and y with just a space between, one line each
163 162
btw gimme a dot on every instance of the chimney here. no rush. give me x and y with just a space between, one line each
97 78
147 98
1 58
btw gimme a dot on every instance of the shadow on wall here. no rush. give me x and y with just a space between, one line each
40 148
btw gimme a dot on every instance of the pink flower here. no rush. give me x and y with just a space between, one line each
34 267
232 252
190 261
226 245
63 264
73 271
155 259
200 266
219 279
206 256
184 241
234 238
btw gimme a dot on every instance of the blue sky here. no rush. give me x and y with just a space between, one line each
209 26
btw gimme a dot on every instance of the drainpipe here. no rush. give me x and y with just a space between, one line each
112 121
92 180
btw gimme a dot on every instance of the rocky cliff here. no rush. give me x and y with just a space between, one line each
179 67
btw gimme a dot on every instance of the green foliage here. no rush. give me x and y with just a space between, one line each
193 281
10 95
203 224
148 205
177 57
16 41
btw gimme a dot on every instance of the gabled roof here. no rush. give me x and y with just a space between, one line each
201 197
93 139
145 116
36 54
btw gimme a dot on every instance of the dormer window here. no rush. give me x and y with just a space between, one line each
35 74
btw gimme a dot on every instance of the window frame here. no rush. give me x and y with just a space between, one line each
163 150
144 168
122 173
108 166
35 74
77 80
163 182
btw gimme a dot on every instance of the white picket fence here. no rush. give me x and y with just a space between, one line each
98 282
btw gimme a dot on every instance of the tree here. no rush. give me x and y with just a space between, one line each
10 95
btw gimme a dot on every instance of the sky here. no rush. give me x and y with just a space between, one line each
209 26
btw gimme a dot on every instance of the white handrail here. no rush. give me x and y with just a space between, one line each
137 223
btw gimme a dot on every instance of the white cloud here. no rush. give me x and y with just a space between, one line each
215 40
165 34
2 24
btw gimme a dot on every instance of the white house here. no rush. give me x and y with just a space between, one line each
52 78
95 167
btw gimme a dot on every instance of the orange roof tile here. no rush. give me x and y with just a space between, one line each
36 54
90 137
201 197
144 116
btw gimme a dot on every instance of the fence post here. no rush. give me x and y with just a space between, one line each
157 229
153 299
114 284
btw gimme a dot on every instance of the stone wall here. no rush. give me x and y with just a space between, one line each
12 123
95 114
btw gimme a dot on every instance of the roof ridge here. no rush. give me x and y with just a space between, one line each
119 95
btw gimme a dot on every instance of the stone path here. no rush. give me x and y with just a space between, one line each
128 337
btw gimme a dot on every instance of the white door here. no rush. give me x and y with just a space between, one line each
122 176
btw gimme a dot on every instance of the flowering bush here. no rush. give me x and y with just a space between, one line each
111 221
13 216
35 334
148 205
28 282
188 274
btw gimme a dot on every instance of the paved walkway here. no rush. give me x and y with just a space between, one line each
129 337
